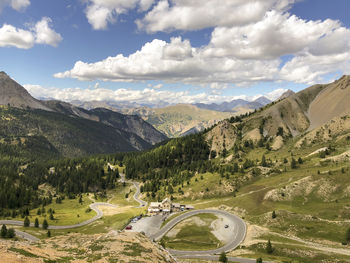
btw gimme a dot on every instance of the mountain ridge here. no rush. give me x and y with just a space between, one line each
13 94
66 129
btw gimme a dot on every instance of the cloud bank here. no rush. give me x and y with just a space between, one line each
235 54
149 95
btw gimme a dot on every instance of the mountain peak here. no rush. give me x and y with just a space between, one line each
13 94
343 82
286 94
263 100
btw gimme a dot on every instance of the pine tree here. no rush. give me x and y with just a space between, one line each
45 224
348 235
26 222
269 248
223 257
263 161
170 189
274 214
51 216
3 231
36 223
259 260
49 233
11 233
293 163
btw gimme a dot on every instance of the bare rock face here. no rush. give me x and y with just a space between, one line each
13 94
332 102
287 94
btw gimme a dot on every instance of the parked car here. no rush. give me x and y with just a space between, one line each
226 226
129 227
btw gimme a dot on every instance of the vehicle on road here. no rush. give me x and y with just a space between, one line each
226 226
129 227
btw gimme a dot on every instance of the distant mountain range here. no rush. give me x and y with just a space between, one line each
236 105
181 119
68 130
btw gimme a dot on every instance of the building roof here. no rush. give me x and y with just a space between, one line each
155 204
166 200
153 209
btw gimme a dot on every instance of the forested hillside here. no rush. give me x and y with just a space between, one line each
62 134
26 186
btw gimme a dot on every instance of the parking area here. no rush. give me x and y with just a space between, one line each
149 224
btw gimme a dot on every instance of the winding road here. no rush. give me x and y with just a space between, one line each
32 238
238 225
93 206
137 193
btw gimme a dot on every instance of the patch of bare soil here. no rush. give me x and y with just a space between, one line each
113 210
333 128
253 135
302 187
345 156
318 151
253 234
222 136
220 232
277 143
322 188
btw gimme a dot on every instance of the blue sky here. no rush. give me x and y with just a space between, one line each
195 52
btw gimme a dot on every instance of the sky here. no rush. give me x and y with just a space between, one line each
172 51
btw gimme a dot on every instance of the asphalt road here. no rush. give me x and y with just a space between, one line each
237 237
26 236
29 237
216 258
137 193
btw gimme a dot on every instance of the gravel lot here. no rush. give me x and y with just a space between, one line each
149 225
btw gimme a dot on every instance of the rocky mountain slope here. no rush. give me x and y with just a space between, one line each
13 94
287 94
65 129
289 117
115 247
331 102
132 124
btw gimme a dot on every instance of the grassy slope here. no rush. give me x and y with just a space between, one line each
192 236
317 216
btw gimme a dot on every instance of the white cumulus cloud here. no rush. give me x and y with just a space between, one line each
19 38
238 54
18 5
45 34
40 33
169 15
176 61
102 12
